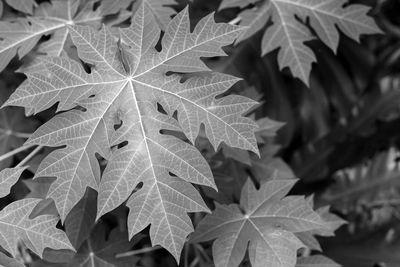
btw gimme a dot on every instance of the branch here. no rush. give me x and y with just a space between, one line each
138 251
14 152
30 156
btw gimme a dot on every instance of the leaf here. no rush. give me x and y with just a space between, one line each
317 261
25 6
36 234
127 82
162 11
8 177
332 223
38 189
99 250
81 219
265 219
289 33
21 35
9 262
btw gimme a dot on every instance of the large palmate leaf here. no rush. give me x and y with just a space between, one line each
119 108
36 234
265 219
289 32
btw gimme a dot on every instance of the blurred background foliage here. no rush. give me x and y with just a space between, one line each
340 136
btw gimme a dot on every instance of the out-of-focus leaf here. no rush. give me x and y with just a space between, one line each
81 219
6 261
25 6
316 261
99 250
369 191
38 189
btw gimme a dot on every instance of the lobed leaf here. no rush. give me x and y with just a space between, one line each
265 222
289 31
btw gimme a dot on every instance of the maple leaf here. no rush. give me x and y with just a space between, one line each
21 34
289 32
36 234
8 177
265 219
128 79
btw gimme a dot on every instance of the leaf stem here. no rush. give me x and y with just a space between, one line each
235 21
138 251
22 135
14 152
30 156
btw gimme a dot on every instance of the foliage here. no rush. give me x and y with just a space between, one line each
128 123
289 30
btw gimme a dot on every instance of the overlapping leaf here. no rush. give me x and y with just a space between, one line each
128 79
36 234
289 31
6 261
266 220
25 6
100 249
8 177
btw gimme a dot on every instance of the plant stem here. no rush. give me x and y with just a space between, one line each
235 21
138 251
30 156
186 255
21 135
14 152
